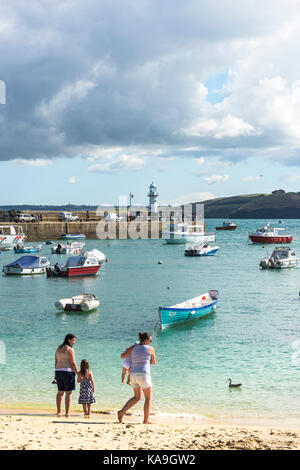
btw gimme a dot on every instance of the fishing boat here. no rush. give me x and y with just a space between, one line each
28 264
184 233
68 249
282 257
227 226
78 303
73 236
27 249
201 250
10 236
267 234
85 264
191 309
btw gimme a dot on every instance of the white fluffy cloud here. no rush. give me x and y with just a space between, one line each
120 163
213 179
73 180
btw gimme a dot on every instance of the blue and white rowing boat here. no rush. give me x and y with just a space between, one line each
189 309
27 249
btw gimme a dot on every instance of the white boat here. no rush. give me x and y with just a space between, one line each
10 236
28 264
184 233
68 249
201 250
78 303
282 257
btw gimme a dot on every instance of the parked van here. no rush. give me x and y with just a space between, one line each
25 218
67 217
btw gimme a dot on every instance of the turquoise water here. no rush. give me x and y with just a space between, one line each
253 338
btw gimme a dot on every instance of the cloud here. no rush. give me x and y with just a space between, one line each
250 179
120 163
73 180
83 79
36 162
290 178
213 179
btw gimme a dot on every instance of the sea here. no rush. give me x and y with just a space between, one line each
253 337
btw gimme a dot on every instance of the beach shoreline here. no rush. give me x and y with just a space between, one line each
41 429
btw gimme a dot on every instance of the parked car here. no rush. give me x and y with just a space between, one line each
67 217
25 218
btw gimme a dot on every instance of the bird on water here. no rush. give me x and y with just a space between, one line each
231 385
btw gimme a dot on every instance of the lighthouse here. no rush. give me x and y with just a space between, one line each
152 195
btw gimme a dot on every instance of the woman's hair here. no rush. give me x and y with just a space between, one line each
84 366
144 336
66 340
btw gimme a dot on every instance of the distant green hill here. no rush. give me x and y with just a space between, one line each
278 205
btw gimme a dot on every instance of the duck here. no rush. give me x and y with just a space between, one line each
231 385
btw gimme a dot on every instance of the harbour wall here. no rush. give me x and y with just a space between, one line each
92 230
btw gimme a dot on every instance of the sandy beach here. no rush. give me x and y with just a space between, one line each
22 430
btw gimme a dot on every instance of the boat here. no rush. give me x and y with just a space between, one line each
78 303
201 250
10 236
27 249
49 242
184 233
69 248
267 234
282 257
73 236
191 309
28 264
85 264
227 226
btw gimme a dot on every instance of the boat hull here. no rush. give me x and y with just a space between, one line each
182 239
231 227
16 271
269 240
74 272
173 316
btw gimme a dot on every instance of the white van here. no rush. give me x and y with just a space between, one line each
67 217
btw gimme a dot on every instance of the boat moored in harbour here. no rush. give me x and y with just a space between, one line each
268 234
73 236
78 303
201 250
10 236
227 226
27 249
282 257
185 233
69 248
85 264
28 264
191 309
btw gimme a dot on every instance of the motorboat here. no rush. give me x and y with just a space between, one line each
191 309
27 249
267 234
184 233
49 242
73 236
201 250
85 264
282 257
28 264
10 236
227 226
68 249
78 303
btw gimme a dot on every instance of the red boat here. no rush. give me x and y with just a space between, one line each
268 234
227 226
86 264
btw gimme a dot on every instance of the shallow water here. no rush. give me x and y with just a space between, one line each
253 337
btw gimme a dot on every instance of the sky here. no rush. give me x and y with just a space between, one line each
100 98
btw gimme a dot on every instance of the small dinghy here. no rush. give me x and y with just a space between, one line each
282 257
73 236
74 248
201 250
27 265
78 303
189 309
27 249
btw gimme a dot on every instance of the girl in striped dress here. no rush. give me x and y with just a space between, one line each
87 388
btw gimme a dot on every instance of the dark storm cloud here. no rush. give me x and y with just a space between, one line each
111 73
